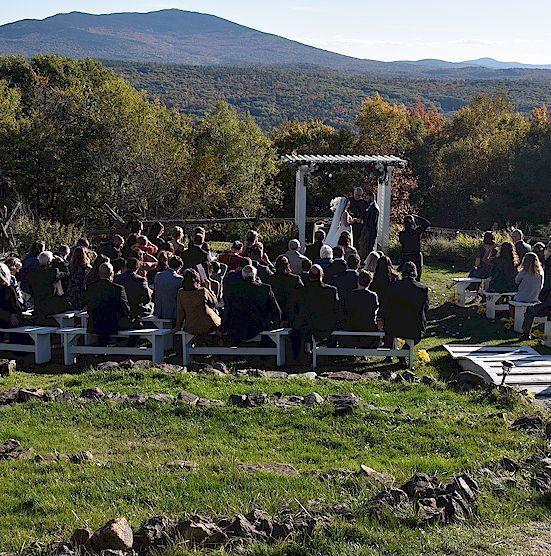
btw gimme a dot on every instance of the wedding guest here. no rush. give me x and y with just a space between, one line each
529 279
504 269
78 270
410 240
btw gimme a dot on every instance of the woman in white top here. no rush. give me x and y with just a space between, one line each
529 279
342 221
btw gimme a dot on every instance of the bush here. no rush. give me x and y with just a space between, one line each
276 236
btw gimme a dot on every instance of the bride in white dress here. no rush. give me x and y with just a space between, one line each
342 221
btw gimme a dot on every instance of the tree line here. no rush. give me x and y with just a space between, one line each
74 135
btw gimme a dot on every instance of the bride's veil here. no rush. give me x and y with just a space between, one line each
337 205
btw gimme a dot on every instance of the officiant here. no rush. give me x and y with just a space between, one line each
358 211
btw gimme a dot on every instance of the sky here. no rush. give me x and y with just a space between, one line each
506 30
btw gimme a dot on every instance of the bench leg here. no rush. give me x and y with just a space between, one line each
491 308
186 346
547 332
280 347
411 345
43 343
314 353
460 292
158 349
520 313
68 355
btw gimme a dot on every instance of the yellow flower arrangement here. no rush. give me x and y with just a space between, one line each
424 357
508 323
530 395
400 343
539 335
481 310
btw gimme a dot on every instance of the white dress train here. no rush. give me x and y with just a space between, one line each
340 221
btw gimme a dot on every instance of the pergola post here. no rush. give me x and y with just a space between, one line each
300 204
384 195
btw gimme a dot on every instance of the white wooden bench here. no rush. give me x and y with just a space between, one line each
162 324
42 342
277 336
154 336
491 302
317 350
520 312
463 295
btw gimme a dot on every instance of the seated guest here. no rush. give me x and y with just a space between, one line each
317 311
262 263
30 263
107 306
162 264
504 269
143 244
312 251
326 257
251 308
111 248
284 285
295 257
407 305
11 309
61 262
521 246
195 255
128 246
361 306
348 280
338 266
198 230
234 278
167 284
529 279
213 285
177 241
483 259
233 257
45 288
546 273
155 236
345 241
252 244
78 270
118 266
539 249
219 271
93 273
137 291
14 265
371 261
383 278
306 266
195 306
135 227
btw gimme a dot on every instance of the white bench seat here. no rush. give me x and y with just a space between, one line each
491 302
277 336
42 342
162 324
71 347
520 312
318 350
463 295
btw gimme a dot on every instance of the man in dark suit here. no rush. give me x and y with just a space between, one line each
195 255
317 311
357 210
251 308
348 280
369 231
338 266
107 305
111 248
313 250
406 310
137 291
284 285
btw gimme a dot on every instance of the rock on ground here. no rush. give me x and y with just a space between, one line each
114 535
7 366
270 466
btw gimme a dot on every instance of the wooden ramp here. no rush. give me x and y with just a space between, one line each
531 370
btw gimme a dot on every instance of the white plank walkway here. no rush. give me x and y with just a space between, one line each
530 370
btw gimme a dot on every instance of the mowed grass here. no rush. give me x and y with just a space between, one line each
438 432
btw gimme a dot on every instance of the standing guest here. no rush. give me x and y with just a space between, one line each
78 270
405 315
284 285
317 311
176 241
167 284
251 308
11 309
371 261
14 265
369 231
361 306
111 248
155 236
483 259
30 263
529 279
295 257
44 286
195 306
410 239
539 249
383 278
345 241
195 255
338 266
107 306
312 251
326 257
358 211
137 291
93 274
520 245
233 257
504 269
348 280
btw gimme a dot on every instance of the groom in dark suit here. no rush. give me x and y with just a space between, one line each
358 210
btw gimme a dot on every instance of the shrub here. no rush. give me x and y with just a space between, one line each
276 236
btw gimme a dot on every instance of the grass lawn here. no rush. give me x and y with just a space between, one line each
438 432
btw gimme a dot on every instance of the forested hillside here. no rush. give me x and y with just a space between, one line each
272 95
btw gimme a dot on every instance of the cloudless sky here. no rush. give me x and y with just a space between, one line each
508 30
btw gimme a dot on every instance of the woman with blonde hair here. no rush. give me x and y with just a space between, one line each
371 262
529 279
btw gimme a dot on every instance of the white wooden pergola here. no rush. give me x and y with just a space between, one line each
306 164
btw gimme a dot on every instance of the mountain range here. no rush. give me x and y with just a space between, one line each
184 37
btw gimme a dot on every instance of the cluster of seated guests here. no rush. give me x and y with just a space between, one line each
237 294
